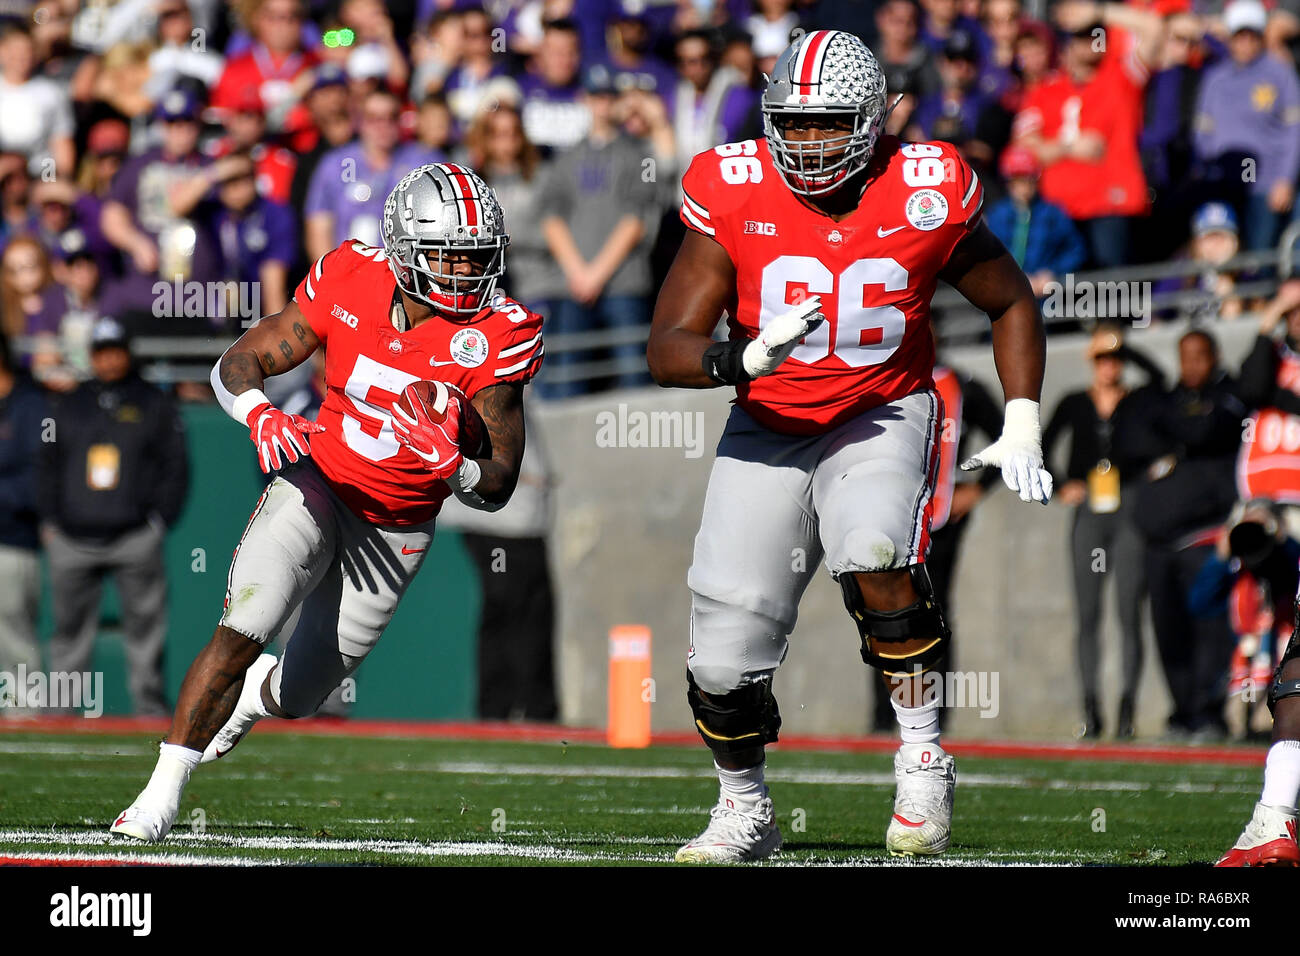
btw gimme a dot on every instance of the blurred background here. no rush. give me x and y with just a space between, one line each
169 169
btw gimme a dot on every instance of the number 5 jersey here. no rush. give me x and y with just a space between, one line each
875 272
347 297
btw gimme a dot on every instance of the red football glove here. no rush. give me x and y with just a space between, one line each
437 443
277 433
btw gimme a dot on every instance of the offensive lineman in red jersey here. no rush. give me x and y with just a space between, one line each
823 245
343 532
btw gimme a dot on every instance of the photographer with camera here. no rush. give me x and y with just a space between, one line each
1252 573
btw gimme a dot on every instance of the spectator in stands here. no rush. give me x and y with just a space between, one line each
481 74
499 150
1214 243
256 234
77 273
769 28
435 52
434 126
630 57
1083 123
555 116
906 62
1248 121
347 192
1036 232
942 19
278 66
1166 139
372 27
1101 479
15 190
951 113
711 104
177 58
332 120
1035 55
1252 574
108 488
52 204
1192 432
1269 383
598 217
148 215
23 415
1002 20
106 145
37 117
31 303
516 632
246 132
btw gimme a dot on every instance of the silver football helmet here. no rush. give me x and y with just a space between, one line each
437 212
825 72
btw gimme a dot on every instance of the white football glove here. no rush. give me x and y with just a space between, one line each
781 336
1018 452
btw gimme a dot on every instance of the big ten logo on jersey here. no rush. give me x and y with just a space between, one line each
344 316
855 332
738 163
754 228
926 165
371 391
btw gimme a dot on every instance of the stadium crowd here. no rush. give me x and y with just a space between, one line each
173 167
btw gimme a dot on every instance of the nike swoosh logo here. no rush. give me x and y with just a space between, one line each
222 753
881 231
908 823
435 363
406 550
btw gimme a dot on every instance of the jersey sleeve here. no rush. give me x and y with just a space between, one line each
969 192
326 270
517 348
704 201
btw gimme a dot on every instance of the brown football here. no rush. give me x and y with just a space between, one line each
473 435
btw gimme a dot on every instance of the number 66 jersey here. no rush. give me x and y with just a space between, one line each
875 272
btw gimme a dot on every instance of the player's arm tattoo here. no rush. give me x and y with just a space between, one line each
276 344
501 408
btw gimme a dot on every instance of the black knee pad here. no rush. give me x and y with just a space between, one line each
738 720
1281 689
882 630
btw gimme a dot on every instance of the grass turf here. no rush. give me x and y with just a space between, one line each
283 798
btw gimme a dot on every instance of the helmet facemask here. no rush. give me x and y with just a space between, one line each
814 167
426 271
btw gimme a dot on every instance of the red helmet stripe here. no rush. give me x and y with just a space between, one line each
468 196
811 54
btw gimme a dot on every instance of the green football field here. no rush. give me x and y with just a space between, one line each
292 799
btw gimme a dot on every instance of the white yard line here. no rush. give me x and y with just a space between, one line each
109 848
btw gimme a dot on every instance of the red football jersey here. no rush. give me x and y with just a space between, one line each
875 271
1109 104
346 296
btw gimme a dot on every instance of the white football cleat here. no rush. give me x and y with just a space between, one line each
143 822
1268 840
735 835
922 820
247 711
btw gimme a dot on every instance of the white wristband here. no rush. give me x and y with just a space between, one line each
468 474
1020 421
245 402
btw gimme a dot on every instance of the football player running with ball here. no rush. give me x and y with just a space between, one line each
343 528
823 244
